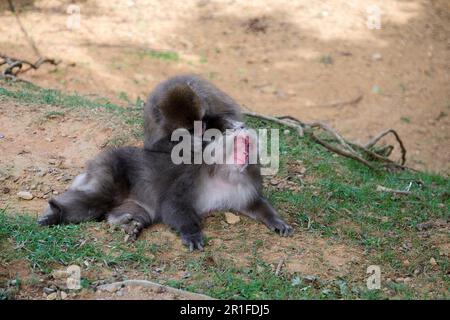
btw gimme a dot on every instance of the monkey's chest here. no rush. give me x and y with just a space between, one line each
218 194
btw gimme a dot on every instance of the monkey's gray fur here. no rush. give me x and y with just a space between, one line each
136 187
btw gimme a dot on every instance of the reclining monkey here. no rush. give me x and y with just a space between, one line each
135 187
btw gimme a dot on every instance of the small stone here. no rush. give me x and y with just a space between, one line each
52 296
231 218
52 161
65 177
274 182
158 270
310 278
286 132
259 269
376 89
433 262
377 56
49 139
406 263
63 295
41 173
280 94
108 287
25 195
55 192
48 290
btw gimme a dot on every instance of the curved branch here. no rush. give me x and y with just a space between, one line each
295 126
372 142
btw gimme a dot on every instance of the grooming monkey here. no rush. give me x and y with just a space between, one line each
136 187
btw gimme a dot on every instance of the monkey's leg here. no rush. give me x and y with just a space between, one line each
74 206
261 210
184 219
88 198
130 216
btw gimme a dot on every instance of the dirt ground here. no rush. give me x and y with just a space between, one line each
301 58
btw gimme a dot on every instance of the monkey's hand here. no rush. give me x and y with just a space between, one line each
279 226
193 240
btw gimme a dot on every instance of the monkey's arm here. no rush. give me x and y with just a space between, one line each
183 218
261 210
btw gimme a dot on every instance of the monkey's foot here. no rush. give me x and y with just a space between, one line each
132 227
193 241
280 227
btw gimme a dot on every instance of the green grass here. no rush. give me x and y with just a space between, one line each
28 93
406 119
159 55
54 114
326 59
339 202
46 248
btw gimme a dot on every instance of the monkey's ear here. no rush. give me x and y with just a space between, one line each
181 106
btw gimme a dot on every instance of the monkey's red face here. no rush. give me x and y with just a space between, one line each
241 150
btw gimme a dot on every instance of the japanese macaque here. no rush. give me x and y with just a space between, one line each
135 187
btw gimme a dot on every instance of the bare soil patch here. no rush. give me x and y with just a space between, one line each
276 57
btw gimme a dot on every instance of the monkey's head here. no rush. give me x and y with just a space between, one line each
215 124
180 101
210 116
183 106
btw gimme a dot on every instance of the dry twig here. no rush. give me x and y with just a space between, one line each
372 142
353 101
154 287
24 31
286 123
347 149
400 192
279 266
15 66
